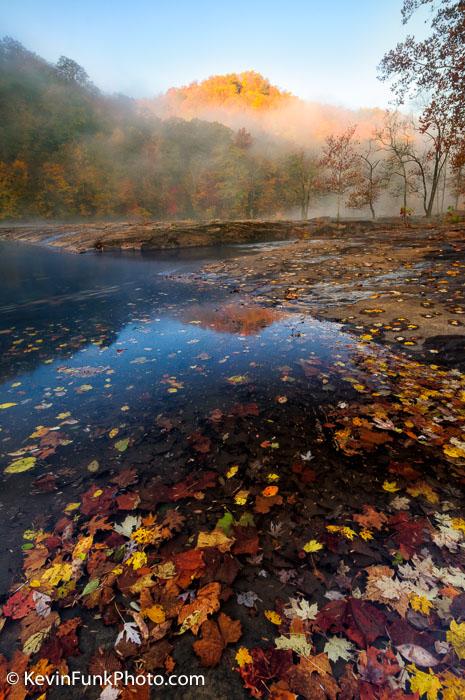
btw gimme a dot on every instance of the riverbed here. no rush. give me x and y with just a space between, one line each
272 455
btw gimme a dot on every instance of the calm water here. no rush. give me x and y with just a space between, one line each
98 343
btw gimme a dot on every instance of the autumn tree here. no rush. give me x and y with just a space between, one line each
435 66
13 184
432 70
303 179
457 179
341 164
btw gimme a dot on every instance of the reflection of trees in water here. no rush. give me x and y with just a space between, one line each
233 318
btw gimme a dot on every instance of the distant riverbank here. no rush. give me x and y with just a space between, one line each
155 235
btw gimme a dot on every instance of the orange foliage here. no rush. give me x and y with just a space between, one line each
233 318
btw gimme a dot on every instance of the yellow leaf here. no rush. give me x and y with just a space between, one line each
456 636
4 406
237 379
391 486
453 451
241 498
453 687
56 573
217 538
82 548
113 432
347 532
420 603
243 657
20 465
312 546
137 560
71 506
273 617
459 524
424 683
425 490
365 534
155 613
232 471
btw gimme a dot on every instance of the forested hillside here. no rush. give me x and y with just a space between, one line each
66 151
230 147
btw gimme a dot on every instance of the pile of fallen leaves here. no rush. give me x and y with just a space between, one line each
250 566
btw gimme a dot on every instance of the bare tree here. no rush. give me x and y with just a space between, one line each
371 179
418 150
395 138
431 158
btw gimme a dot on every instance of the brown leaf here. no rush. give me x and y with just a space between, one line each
206 603
104 660
231 630
263 504
370 518
210 648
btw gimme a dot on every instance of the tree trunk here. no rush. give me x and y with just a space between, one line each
305 206
372 209
434 186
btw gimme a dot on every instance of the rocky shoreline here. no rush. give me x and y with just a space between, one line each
402 287
153 235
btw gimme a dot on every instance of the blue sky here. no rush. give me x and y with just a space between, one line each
324 50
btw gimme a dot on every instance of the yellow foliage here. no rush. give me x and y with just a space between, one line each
453 687
424 683
217 538
456 636
420 603
312 546
425 490
56 573
145 535
391 486
459 524
20 465
241 498
454 451
243 657
273 617
137 560
82 548
155 613
346 532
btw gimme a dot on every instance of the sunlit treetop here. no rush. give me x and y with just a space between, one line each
233 90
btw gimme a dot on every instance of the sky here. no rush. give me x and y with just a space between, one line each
320 50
